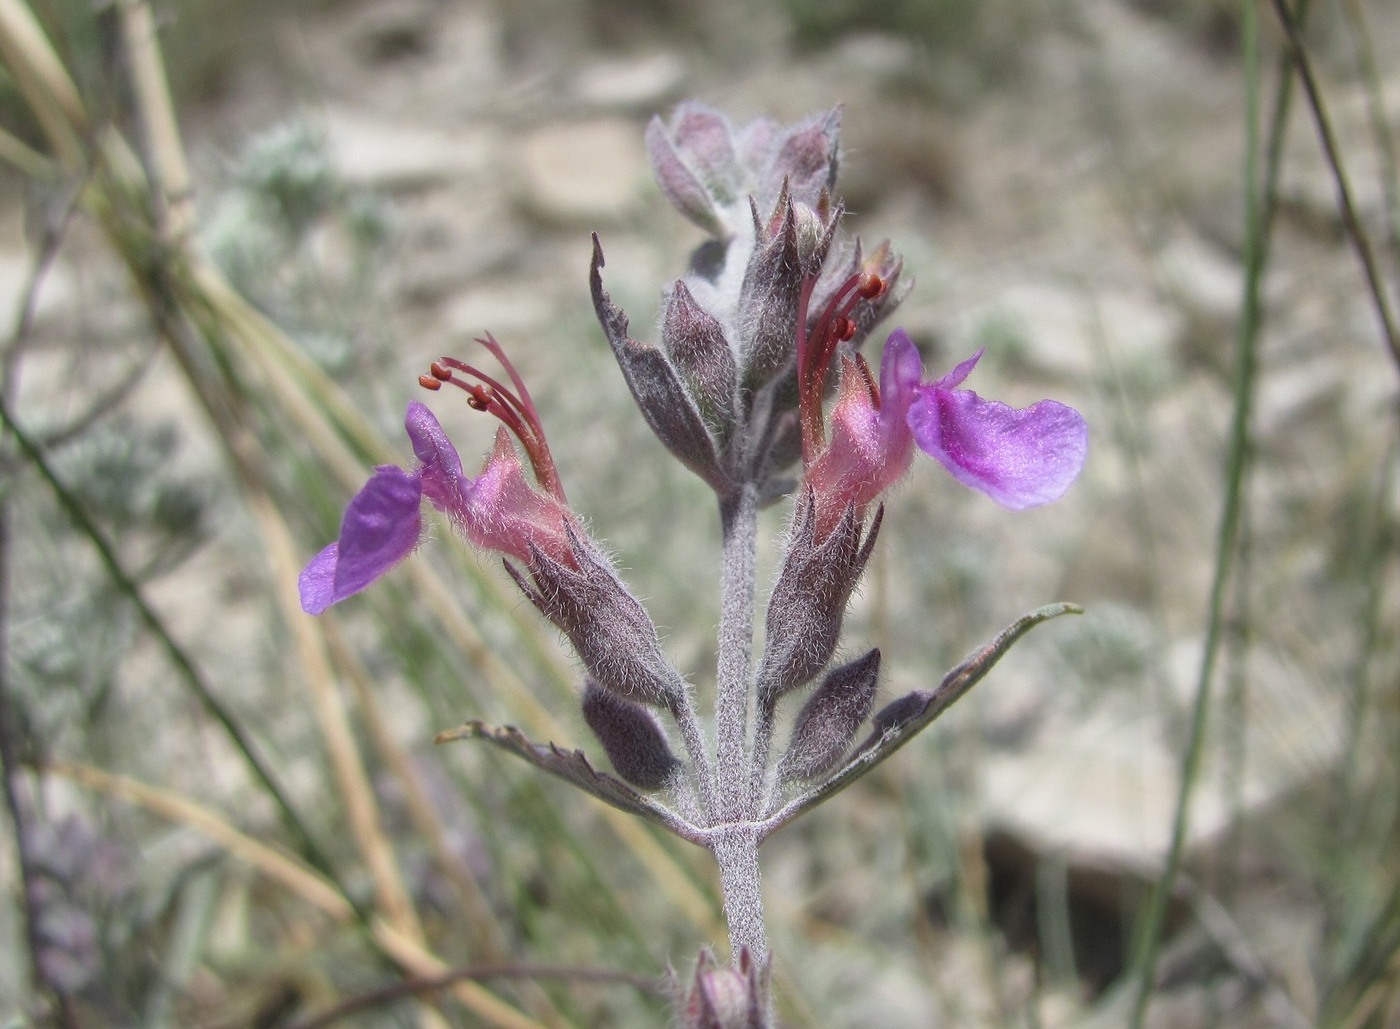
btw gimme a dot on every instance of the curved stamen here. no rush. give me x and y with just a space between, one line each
515 409
814 352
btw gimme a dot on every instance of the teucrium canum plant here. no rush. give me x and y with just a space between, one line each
758 385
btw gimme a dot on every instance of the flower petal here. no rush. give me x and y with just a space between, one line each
506 514
954 378
1020 457
317 582
381 527
444 486
900 371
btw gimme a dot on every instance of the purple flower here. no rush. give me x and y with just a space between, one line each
1020 457
498 510
381 527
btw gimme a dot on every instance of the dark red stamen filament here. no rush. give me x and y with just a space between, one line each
514 408
816 349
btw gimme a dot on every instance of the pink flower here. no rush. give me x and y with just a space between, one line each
1018 457
498 510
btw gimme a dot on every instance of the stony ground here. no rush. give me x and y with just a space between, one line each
1072 200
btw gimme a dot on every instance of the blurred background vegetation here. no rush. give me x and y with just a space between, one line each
225 259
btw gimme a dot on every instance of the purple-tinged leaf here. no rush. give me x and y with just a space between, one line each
573 767
916 713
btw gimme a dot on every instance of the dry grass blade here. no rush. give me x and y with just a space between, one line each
1360 241
353 782
411 955
46 87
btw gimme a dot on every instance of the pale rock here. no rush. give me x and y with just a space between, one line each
1205 278
582 174
395 156
1100 780
631 84
1066 331
504 309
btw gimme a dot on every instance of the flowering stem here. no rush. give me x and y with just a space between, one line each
739 527
736 852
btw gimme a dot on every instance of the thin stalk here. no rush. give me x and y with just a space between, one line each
1360 242
392 898
1257 216
739 525
482 928
1380 120
762 742
694 739
394 992
19 796
411 956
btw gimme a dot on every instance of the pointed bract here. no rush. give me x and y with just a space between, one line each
664 402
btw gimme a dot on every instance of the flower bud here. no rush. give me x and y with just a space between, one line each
663 400
808 602
799 159
828 722
897 712
631 737
726 997
697 346
768 301
695 163
610 631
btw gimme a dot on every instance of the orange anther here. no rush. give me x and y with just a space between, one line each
429 382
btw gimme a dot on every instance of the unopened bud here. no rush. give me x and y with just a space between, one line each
827 723
695 341
768 297
726 997
897 712
631 737
610 631
808 603
695 164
